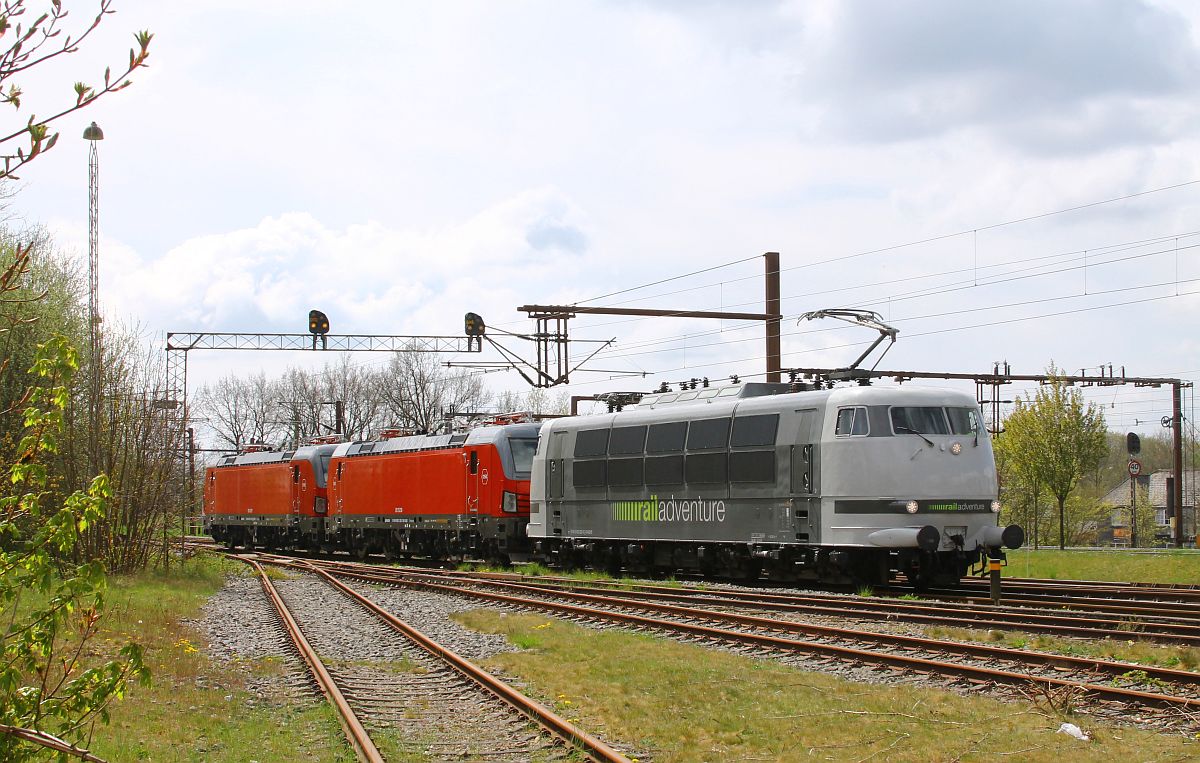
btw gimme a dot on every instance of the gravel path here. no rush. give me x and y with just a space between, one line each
393 685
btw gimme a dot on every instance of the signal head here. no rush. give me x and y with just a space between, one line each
318 323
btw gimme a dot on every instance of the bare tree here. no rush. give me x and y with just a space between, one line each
419 391
241 411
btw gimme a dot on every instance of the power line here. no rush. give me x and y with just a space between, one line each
925 334
964 311
945 288
918 242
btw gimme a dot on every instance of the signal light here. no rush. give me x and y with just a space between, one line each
1133 443
318 326
473 323
911 507
474 328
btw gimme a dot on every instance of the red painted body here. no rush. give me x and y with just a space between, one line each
431 495
435 483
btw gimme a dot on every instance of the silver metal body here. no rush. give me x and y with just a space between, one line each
800 487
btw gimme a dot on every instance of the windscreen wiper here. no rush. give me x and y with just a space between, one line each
910 430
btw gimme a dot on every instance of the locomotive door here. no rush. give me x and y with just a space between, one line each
805 475
297 489
473 481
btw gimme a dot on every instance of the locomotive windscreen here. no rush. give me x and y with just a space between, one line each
522 453
933 420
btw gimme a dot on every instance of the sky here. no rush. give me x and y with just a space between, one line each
1002 181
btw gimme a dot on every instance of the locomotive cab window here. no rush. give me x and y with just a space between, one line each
962 420
474 469
295 474
852 422
923 420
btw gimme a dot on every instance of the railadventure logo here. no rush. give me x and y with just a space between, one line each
669 510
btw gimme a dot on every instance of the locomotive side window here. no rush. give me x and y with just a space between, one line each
295 474
625 472
752 466
706 467
962 420
666 438
474 468
852 422
919 421
664 470
589 473
591 442
708 434
754 430
626 440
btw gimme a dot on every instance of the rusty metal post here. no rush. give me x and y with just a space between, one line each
774 356
1177 449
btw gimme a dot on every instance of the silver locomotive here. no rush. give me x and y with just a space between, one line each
846 484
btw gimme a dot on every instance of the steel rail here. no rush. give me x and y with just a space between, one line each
594 748
1119 606
1115 590
1178 630
1081 664
356 733
1079 626
1188 588
920 665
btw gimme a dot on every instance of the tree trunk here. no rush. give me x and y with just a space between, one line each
1062 537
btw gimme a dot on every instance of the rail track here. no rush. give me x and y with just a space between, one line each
1174 694
1102 623
465 712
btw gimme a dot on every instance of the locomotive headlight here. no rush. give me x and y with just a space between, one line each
509 503
911 507
956 448
995 507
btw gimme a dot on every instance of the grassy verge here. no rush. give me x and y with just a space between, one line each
195 711
678 702
1163 566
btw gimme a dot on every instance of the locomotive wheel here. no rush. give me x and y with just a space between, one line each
361 552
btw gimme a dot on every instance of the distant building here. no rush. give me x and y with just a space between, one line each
1152 487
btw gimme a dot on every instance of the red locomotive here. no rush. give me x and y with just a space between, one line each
440 496
274 499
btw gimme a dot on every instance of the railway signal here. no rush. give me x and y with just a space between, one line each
318 326
1133 443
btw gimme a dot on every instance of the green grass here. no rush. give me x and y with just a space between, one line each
194 711
1162 566
678 702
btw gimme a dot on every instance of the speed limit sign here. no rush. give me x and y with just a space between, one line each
1135 467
